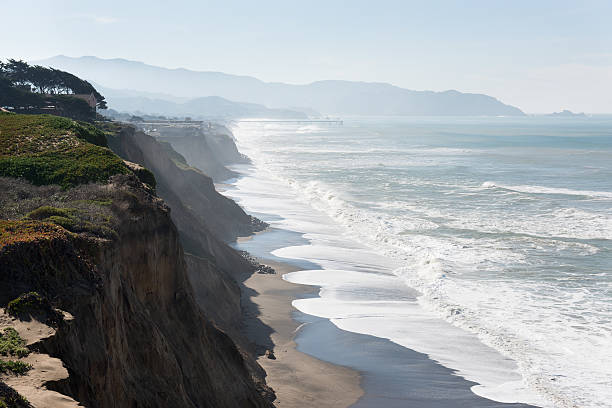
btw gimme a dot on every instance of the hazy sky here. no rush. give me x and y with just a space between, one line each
538 55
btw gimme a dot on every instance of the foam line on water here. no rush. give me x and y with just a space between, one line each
497 312
331 248
549 190
360 302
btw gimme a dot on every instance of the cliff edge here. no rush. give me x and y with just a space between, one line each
86 232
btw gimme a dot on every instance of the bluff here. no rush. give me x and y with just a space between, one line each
95 240
184 186
204 218
208 147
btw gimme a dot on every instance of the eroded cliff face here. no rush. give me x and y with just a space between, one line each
155 309
203 217
138 337
183 186
209 150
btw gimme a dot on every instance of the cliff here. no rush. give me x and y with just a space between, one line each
204 219
184 186
209 150
104 250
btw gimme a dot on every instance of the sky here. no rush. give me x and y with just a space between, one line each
538 55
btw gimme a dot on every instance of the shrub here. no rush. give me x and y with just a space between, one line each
25 304
34 305
12 344
76 220
12 232
14 367
47 211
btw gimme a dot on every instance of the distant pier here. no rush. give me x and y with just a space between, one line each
297 121
189 123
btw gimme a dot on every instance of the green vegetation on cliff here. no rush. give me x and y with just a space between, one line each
29 213
88 218
32 304
11 344
14 367
13 232
135 285
114 132
25 303
46 149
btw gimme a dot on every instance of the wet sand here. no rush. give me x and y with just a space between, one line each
298 379
319 365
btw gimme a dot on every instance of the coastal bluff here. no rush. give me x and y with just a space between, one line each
90 235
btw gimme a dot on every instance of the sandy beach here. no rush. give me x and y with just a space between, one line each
298 379
319 365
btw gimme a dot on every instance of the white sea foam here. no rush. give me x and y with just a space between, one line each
460 278
404 322
549 190
562 223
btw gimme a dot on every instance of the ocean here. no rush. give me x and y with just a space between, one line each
485 243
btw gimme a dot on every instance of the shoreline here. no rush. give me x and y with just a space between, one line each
297 378
390 374
317 364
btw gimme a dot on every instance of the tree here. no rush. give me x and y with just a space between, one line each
48 81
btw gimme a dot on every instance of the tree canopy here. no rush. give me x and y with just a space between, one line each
49 81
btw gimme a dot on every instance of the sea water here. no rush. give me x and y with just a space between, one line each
485 243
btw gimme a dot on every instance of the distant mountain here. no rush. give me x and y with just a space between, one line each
567 114
207 107
328 97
